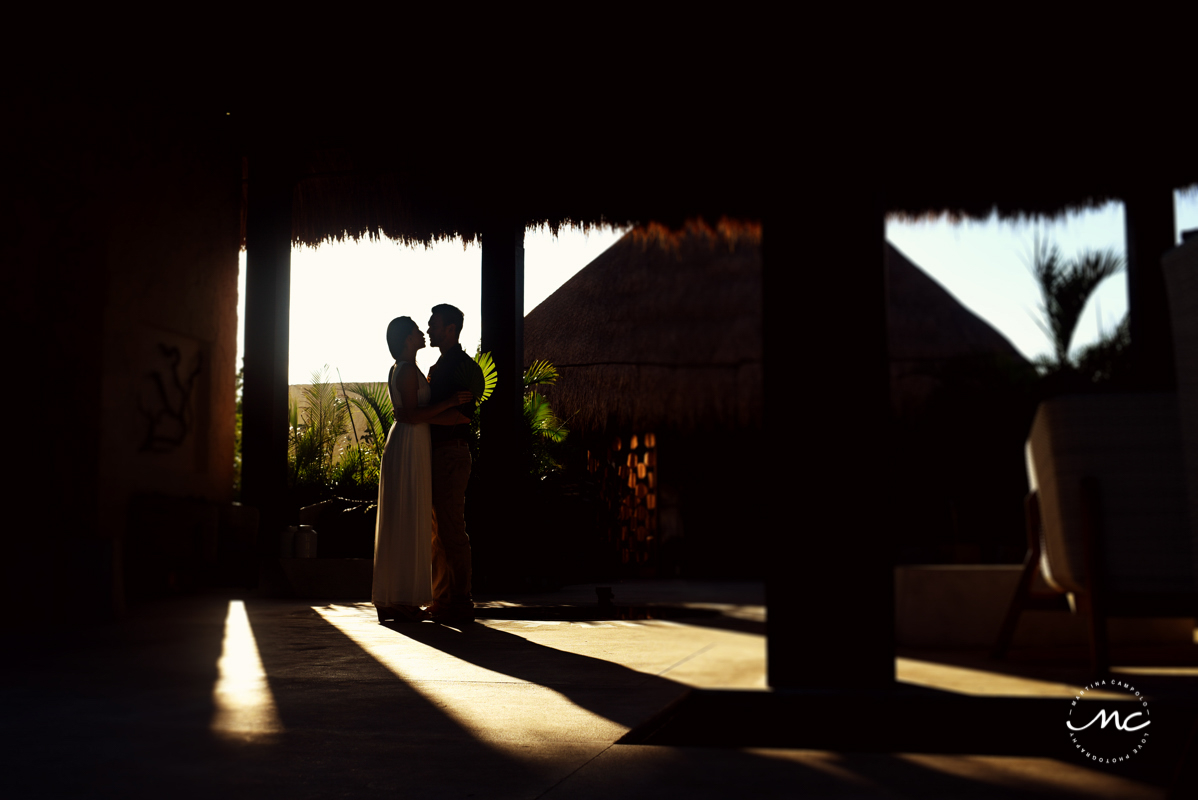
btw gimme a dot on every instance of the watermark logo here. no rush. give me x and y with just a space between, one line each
1109 730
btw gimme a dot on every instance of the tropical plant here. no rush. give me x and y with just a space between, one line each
355 467
545 426
315 431
374 402
1065 288
541 419
490 378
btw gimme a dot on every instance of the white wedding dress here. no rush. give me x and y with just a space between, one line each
403 533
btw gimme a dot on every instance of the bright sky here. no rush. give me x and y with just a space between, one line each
985 266
344 295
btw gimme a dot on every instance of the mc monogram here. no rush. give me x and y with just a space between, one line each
1125 725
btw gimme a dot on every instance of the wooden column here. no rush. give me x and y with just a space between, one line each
501 453
267 317
829 554
1150 231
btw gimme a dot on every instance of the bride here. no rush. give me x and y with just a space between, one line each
404 528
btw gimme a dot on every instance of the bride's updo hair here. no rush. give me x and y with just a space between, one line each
397 334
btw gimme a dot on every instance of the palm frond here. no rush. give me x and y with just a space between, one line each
1066 287
490 377
542 420
308 452
540 372
374 401
556 432
1095 266
376 433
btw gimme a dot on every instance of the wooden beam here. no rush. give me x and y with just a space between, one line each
501 449
1150 232
829 552
267 312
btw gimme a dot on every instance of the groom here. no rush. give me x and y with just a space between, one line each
454 371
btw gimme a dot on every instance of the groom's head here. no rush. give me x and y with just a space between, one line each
445 325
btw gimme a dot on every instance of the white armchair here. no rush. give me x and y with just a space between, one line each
1113 508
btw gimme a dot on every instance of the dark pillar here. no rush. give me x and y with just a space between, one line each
829 554
501 445
267 306
1150 230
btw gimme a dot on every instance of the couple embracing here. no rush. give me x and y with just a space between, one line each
421 551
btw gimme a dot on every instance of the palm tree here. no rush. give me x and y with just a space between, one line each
374 402
1065 288
315 430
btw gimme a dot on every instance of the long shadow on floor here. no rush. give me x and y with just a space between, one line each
602 687
355 728
1070 665
125 710
723 723
916 720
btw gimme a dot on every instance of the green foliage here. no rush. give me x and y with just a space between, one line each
540 372
480 382
546 431
490 379
357 466
315 432
545 428
374 402
321 462
541 419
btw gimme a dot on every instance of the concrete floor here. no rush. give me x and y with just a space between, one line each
183 698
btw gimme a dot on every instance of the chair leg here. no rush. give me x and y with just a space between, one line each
1031 563
1096 589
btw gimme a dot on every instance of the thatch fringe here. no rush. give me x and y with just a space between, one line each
346 194
727 234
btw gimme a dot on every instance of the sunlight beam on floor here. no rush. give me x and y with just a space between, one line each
245 707
965 680
501 710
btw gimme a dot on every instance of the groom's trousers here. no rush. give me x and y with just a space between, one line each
451 545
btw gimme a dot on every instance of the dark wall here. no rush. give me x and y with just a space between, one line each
120 250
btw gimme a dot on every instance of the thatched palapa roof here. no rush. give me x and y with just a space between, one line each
349 193
422 189
657 330
928 328
665 332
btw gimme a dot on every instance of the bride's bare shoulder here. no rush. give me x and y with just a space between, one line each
407 368
408 374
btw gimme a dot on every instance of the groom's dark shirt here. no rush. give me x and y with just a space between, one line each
447 376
